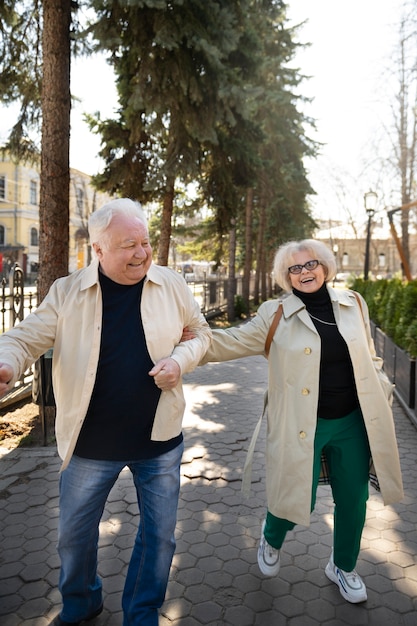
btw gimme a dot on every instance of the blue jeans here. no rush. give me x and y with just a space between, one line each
84 487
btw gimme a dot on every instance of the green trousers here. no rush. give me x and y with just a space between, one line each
345 443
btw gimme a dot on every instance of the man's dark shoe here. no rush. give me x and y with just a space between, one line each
58 621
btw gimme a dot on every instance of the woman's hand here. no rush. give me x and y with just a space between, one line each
187 334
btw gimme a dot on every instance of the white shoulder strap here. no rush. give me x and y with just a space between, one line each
247 469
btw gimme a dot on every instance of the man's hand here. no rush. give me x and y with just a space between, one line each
166 374
6 374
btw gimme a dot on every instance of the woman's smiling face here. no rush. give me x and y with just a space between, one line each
308 281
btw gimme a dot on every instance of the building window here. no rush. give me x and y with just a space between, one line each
80 200
2 188
33 199
34 239
2 236
345 259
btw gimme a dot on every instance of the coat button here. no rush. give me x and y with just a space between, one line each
303 435
307 350
305 391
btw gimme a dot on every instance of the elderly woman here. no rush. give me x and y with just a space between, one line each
328 406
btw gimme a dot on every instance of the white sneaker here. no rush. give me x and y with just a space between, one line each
268 557
351 585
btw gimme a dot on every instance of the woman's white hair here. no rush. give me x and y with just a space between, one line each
99 221
284 258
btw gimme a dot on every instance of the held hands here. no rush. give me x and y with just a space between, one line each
166 373
6 374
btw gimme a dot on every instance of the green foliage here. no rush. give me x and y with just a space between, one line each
177 80
407 318
21 72
240 308
410 339
373 292
206 94
392 306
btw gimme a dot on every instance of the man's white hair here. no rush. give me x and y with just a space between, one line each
99 221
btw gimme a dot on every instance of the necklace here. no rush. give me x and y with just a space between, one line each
322 321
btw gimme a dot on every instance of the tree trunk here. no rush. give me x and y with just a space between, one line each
259 247
270 281
54 180
231 283
166 223
406 128
264 272
405 237
248 249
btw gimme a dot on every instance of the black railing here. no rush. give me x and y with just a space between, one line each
16 302
211 294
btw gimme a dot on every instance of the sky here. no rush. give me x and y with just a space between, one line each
93 85
351 44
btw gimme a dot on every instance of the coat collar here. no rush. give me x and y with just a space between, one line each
291 304
90 274
345 297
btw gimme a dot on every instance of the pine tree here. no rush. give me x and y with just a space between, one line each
180 76
21 72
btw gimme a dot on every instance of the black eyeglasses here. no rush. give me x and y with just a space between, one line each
310 265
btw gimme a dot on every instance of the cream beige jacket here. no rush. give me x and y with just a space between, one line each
293 385
69 319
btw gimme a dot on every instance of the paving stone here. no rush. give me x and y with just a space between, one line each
207 612
215 580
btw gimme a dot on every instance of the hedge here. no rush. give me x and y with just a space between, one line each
393 307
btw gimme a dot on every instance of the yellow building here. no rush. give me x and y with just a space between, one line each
19 216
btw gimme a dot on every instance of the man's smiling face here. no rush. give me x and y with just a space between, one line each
308 281
125 254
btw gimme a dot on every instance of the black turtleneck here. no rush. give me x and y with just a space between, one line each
337 391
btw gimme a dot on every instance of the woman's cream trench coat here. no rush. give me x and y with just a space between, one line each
69 319
293 385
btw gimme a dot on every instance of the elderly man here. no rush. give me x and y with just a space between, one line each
115 327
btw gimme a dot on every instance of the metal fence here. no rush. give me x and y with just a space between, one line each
211 294
17 301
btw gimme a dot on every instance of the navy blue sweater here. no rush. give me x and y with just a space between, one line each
120 417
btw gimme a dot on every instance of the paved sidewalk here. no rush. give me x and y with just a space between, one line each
215 579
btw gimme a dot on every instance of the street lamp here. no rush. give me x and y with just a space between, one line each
370 198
